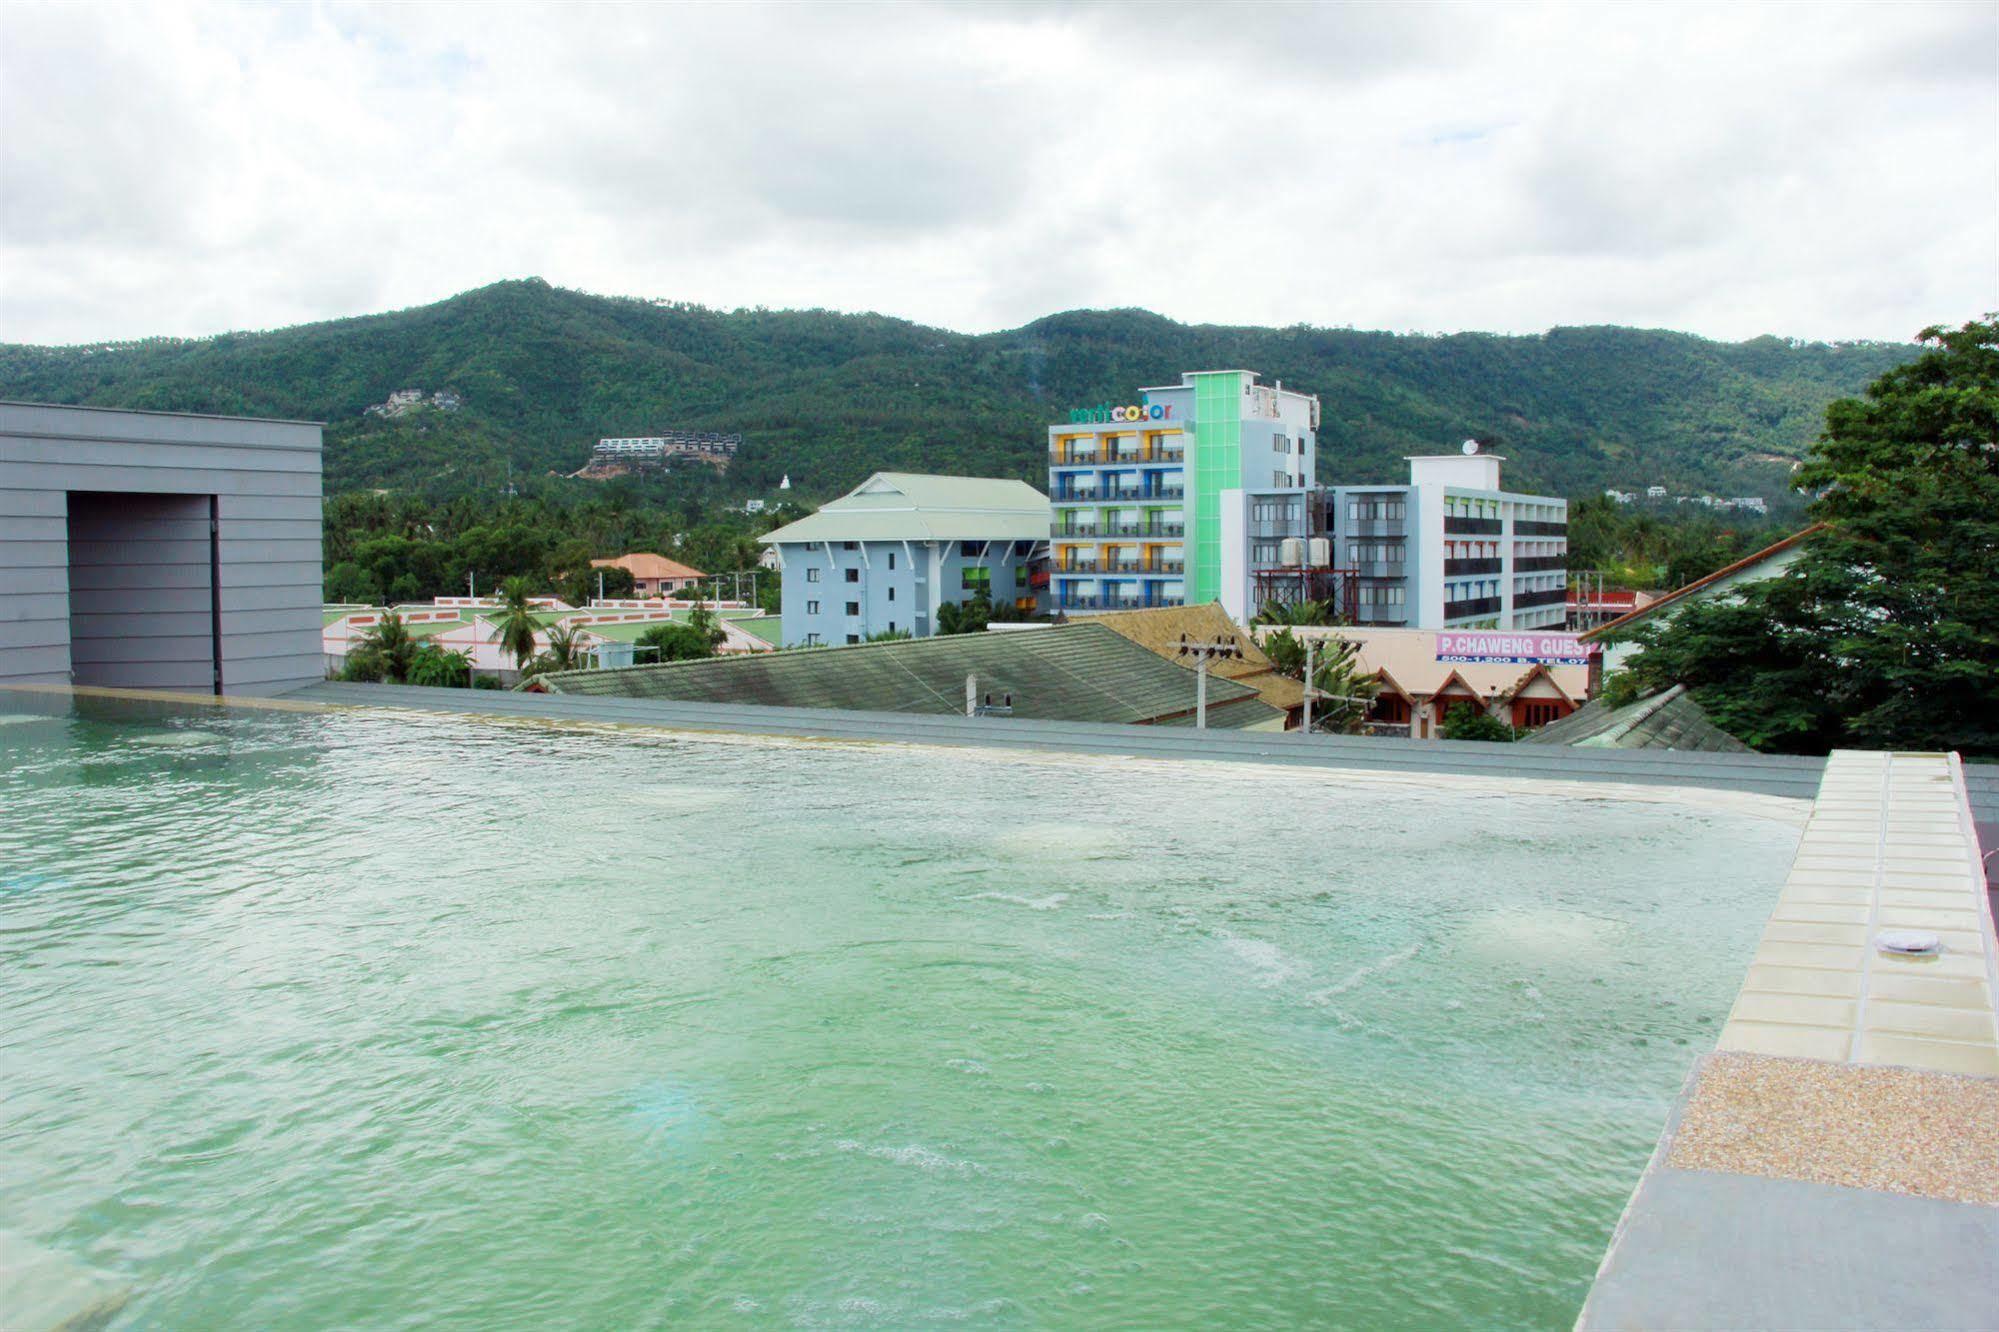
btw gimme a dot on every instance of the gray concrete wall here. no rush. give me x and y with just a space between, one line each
140 601
265 477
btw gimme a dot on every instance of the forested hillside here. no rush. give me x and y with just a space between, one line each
543 372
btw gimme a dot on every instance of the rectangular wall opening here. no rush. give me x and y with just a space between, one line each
142 597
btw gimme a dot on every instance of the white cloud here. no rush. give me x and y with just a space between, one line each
1815 171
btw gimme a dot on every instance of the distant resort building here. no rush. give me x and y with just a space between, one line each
653 575
707 445
1181 496
890 554
1452 549
1420 683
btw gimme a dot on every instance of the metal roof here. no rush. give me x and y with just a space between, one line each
1077 672
908 506
1670 719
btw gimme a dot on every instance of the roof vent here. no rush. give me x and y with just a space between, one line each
1908 943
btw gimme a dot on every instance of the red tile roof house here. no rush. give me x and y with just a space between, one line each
654 575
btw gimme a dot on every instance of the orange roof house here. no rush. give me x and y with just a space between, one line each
653 575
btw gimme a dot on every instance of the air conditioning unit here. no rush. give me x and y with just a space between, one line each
1291 552
1320 551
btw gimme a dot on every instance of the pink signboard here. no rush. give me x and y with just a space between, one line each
1518 648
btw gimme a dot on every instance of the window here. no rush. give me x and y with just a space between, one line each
813 640
853 608
891 592
1019 574
853 575
891 559
811 575
891 626
977 578
1280 444
971 550
853 638
850 545
811 608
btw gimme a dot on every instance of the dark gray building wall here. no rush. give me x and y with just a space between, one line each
128 578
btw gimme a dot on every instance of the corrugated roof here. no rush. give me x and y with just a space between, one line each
909 506
1159 630
1077 672
1670 719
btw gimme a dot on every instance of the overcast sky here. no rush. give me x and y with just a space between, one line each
1819 171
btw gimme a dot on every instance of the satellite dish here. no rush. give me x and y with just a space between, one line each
1470 447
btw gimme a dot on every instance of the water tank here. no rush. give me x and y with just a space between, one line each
613 655
1291 552
1320 552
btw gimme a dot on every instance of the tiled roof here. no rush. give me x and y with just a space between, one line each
645 564
1077 672
908 506
1670 719
1160 630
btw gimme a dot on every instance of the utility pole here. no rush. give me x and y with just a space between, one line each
1310 643
1202 653
472 584
600 585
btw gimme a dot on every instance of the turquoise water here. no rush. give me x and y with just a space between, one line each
361 1020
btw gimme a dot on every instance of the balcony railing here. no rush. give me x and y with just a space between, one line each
1541 564
1124 568
1554 596
1098 457
1471 526
1540 529
1115 603
1375 527
1458 610
1166 493
1380 568
1454 568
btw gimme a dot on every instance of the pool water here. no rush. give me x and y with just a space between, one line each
370 1019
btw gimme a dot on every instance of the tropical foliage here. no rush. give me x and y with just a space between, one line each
1885 632
674 642
1346 692
384 654
1465 722
440 668
516 622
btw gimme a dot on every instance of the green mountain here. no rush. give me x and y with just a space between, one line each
541 373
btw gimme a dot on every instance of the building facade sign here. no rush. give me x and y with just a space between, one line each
1105 412
1519 649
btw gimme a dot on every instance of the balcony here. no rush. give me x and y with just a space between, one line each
1539 529
1380 568
1084 568
1086 530
1075 497
1553 596
1459 610
1115 603
1472 526
1166 493
1542 564
1456 568
1380 615
1141 529
1375 527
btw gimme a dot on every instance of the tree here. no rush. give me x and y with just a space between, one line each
1466 722
703 622
439 668
1301 613
1348 691
349 584
566 652
517 623
675 642
1885 632
384 654
968 617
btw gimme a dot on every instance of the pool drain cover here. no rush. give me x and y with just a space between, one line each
1909 943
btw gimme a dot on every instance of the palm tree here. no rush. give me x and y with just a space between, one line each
1346 696
565 649
1295 613
385 651
517 623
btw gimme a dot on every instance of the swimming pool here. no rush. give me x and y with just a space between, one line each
366 1018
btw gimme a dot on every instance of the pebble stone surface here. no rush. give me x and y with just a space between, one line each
1902 1130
